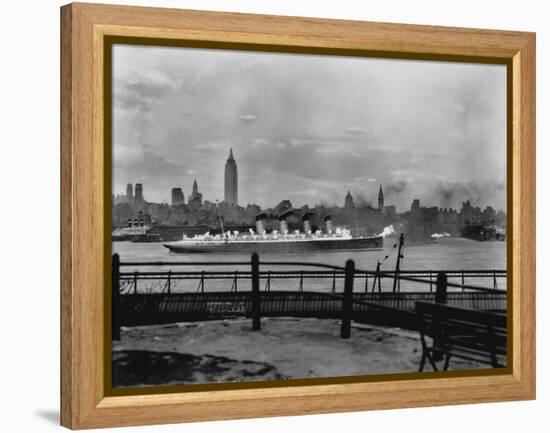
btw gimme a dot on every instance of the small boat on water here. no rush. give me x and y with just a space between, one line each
280 242
128 233
134 231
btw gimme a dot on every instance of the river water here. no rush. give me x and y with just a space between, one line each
445 254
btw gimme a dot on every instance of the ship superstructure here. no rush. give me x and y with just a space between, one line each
277 241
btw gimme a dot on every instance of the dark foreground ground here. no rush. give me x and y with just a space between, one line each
285 348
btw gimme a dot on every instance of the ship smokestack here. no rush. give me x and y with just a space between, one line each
328 224
283 225
307 224
260 227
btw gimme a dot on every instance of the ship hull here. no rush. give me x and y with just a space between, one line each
286 247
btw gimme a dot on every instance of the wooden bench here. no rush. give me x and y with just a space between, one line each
456 332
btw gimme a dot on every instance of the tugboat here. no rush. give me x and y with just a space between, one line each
278 241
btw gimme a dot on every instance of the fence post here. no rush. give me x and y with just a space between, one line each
441 288
168 285
115 298
255 263
377 279
347 300
440 298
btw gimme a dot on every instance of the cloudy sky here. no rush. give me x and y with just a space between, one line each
308 128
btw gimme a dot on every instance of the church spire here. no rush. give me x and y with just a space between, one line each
230 158
380 198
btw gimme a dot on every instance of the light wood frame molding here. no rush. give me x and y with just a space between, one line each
84 403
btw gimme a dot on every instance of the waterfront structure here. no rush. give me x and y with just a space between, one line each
231 193
419 223
380 199
177 197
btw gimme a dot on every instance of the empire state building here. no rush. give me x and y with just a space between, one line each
231 194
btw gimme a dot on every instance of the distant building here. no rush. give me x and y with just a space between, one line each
470 214
119 199
488 216
139 193
177 197
138 204
159 212
129 194
415 207
380 199
348 202
231 193
390 212
195 199
251 211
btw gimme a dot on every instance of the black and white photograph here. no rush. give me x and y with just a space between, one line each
280 216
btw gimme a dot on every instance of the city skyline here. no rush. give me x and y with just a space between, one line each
348 198
434 130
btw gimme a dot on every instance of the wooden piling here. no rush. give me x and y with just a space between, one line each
255 265
347 300
115 298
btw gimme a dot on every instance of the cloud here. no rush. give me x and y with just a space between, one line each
211 145
141 89
297 124
248 118
356 130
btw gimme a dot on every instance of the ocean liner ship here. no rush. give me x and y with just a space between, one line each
278 241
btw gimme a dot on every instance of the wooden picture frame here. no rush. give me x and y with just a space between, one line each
85 218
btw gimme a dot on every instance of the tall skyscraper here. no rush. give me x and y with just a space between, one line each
380 199
348 202
177 196
195 199
139 193
130 194
231 194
